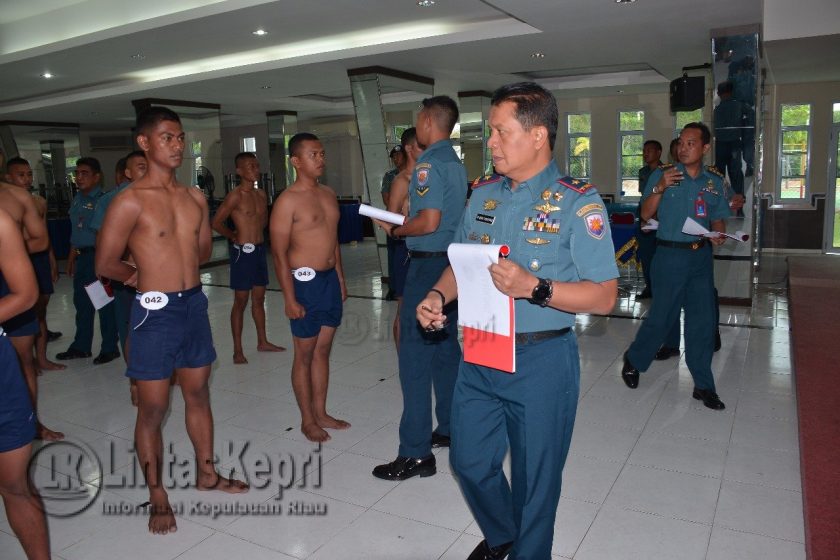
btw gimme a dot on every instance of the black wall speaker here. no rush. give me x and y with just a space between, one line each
688 93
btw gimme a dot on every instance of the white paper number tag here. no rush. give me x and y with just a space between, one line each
154 300
304 274
248 248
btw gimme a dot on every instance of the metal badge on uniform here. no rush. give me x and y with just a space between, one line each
304 274
491 204
153 300
700 207
546 208
484 218
485 239
538 241
595 226
473 236
248 248
558 196
534 265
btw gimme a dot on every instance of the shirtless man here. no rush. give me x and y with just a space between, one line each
398 202
247 206
19 173
22 328
307 260
166 227
18 293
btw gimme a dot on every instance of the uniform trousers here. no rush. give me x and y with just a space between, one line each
84 275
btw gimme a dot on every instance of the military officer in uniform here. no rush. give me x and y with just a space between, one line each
646 240
561 263
437 192
80 266
683 268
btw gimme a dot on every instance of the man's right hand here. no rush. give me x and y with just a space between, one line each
430 313
294 310
672 176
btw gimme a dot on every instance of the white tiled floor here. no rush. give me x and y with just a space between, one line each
651 474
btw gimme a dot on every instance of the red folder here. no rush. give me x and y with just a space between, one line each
486 348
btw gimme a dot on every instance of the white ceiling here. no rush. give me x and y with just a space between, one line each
203 50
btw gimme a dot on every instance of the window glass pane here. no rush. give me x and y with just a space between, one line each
794 141
837 112
796 115
580 123
682 118
794 165
631 144
630 166
631 120
793 188
630 186
579 166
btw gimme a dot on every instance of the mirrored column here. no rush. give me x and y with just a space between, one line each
475 110
282 125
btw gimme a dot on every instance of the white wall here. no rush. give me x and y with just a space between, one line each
784 19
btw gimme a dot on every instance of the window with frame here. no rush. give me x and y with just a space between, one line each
682 118
631 140
249 144
578 140
794 147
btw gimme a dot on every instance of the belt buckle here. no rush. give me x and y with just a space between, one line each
696 245
78 252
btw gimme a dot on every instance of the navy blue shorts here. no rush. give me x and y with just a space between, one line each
43 273
25 324
17 419
176 336
248 269
400 268
321 298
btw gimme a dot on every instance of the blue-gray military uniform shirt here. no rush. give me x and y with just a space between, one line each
103 203
439 181
556 227
81 214
702 199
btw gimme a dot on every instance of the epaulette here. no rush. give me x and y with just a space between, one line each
714 170
665 165
576 184
482 180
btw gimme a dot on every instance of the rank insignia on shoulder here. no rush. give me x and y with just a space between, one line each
538 241
714 170
595 226
421 191
491 204
486 180
576 184
589 208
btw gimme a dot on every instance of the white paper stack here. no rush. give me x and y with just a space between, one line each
690 227
379 214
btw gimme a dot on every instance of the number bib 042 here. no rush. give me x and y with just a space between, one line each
304 274
153 300
248 248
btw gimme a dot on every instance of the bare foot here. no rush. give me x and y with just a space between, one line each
239 358
132 390
327 421
314 432
41 432
50 366
215 481
269 347
161 518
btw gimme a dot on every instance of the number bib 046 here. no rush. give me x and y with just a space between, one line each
304 274
153 300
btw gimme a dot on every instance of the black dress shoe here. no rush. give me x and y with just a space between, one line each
645 294
72 354
709 398
53 335
717 341
403 468
629 374
666 352
484 552
105 357
439 440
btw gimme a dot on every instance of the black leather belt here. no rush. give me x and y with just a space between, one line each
84 250
427 254
534 337
692 246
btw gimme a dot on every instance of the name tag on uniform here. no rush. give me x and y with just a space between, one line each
248 248
154 300
485 218
304 274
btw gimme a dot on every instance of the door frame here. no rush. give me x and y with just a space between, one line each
830 191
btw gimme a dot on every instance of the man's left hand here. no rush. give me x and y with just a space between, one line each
512 280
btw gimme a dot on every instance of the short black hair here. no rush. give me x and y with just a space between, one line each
150 117
444 111
535 106
243 155
91 162
409 135
17 161
121 165
725 87
298 139
653 143
705 133
134 154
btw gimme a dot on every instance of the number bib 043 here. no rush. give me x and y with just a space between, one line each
153 300
248 248
304 274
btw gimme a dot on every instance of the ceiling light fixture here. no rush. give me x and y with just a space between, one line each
259 32
138 56
265 87
425 3
624 1
537 54
46 75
